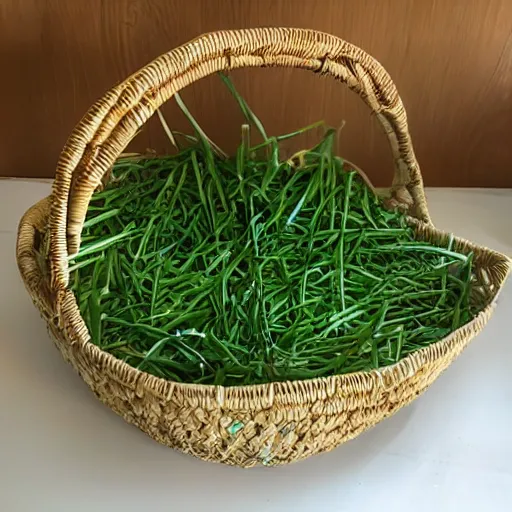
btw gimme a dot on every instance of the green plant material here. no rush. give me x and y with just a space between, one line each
202 269
246 111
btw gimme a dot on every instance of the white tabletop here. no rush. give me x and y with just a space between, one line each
62 450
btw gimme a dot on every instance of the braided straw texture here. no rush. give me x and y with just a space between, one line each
266 424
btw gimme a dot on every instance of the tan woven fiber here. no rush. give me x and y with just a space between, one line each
262 424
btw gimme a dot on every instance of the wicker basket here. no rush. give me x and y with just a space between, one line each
262 424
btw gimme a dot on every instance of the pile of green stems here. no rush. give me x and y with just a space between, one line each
247 270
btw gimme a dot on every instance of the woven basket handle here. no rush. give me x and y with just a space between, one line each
113 121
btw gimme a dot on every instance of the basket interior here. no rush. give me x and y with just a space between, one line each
489 268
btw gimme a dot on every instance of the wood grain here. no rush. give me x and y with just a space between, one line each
451 61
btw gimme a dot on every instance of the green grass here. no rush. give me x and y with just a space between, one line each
244 270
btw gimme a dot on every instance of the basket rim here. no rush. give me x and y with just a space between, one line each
283 392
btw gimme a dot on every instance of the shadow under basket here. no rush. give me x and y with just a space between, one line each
267 424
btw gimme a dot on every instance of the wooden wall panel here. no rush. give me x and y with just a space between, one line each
451 60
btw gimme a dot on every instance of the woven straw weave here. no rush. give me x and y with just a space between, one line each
262 424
